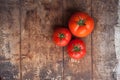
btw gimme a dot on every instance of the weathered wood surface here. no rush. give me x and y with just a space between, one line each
117 43
41 58
28 53
103 41
9 40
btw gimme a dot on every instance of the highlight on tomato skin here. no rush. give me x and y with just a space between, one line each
61 36
81 24
76 49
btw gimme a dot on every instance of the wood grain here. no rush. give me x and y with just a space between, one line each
77 69
27 51
41 58
9 41
103 49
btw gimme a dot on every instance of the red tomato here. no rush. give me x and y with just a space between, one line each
81 24
76 49
61 36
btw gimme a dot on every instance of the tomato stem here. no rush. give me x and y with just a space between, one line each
76 48
61 35
81 22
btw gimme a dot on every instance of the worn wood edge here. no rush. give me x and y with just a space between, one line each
117 44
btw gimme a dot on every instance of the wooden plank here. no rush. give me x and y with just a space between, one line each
117 48
104 57
77 69
41 58
9 41
117 43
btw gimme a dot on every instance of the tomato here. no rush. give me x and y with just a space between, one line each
61 36
81 24
76 49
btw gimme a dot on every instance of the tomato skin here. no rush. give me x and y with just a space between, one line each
79 28
76 53
61 36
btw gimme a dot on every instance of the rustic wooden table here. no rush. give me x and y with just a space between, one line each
27 51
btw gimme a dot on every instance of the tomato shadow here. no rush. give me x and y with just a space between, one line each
0 78
67 13
55 26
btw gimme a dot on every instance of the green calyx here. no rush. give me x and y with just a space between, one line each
81 22
76 48
61 35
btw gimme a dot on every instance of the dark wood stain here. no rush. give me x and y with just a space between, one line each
40 58
8 71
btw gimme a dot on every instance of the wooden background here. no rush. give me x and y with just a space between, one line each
27 51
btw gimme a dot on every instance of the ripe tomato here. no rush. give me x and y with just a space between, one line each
76 49
81 24
61 36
